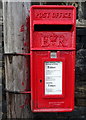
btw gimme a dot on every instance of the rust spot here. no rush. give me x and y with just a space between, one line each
22 106
10 59
26 101
25 43
22 28
28 23
22 83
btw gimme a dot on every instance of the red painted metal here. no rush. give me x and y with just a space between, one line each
52 29
26 92
25 54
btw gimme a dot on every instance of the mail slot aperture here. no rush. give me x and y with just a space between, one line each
44 27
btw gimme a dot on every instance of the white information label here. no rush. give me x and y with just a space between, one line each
53 78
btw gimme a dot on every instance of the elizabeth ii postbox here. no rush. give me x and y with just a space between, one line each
52 47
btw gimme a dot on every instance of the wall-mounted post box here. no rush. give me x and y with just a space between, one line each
52 47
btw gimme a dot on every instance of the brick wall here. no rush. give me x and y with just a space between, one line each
81 67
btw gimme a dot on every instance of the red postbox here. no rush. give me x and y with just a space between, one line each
52 47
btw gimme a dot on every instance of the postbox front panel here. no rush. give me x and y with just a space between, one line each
53 32
53 81
52 47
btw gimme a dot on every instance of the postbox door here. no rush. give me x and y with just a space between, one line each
54 79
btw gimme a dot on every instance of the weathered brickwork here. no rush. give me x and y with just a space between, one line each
81 68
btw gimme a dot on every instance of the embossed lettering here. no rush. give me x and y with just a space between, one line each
53 15
61 15
61 41
67 15
53 40
45 41
42 15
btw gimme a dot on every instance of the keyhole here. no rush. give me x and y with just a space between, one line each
40 81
